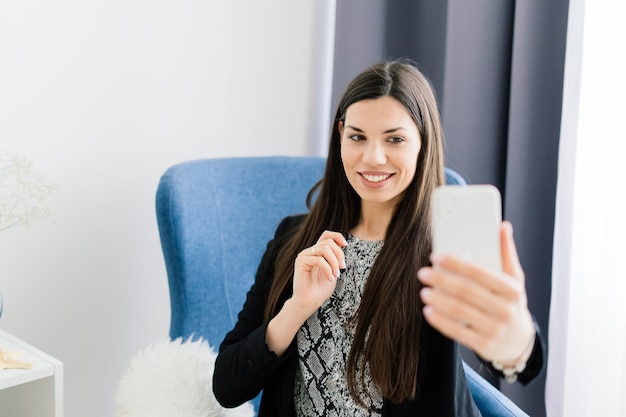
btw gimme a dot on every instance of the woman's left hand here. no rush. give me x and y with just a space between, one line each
485 310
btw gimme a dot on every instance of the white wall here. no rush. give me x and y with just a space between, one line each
103 96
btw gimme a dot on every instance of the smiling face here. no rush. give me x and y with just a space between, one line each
380 144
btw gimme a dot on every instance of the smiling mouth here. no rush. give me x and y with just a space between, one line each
375 178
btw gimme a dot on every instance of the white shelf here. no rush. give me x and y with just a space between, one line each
45 368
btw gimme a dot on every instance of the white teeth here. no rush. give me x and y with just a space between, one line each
375 178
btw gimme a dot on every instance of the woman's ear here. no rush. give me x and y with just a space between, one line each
340 129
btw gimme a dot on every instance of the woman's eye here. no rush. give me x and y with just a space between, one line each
396 139
356 137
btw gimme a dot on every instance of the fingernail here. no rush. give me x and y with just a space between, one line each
424 274
343 264
425 293
437 258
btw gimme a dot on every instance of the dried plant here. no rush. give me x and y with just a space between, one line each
22 192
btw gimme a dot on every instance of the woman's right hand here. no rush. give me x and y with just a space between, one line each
315 276
316 271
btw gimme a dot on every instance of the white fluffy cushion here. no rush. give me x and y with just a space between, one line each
172 379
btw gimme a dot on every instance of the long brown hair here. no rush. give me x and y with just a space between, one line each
389 316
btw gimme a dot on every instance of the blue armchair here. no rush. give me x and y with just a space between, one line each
215 217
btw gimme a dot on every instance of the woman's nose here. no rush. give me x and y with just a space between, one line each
374 154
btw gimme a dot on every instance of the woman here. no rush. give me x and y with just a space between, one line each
347 317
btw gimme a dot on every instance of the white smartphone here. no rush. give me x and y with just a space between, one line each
466 223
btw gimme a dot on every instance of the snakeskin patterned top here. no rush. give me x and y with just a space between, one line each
324 343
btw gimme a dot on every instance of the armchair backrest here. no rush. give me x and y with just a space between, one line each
215 217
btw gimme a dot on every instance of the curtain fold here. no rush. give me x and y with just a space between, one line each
321 84
497 69
587 370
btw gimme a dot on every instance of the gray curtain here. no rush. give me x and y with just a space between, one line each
497 68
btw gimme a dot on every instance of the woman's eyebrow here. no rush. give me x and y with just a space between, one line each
355 129
395 129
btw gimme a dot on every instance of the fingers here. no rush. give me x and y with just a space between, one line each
459 330
316 271
485 310
333 236
510 259
326 254
482 309
462 310
462 277
456 303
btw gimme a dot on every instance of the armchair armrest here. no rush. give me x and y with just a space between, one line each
490 400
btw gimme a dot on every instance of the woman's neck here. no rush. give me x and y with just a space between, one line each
373 222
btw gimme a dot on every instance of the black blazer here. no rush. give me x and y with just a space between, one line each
245 365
